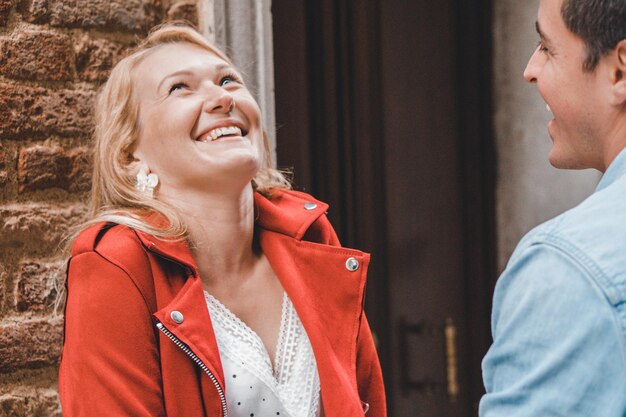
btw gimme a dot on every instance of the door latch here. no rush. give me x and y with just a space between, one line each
423 329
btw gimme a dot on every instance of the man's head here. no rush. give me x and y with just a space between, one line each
580 70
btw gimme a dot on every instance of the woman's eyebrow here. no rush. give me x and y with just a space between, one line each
218 68
174 74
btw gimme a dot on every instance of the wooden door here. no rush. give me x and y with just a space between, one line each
383 111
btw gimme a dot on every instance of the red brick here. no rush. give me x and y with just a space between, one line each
4 279
79 176
37 55
40 112
183 10
37 229
96 57
109 15
40 167
5 10
4 162
30 343
34 11
30 402
3 157
37 285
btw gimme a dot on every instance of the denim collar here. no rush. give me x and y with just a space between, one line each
616 170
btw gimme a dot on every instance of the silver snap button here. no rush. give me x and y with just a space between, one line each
352 264
310 206
177 316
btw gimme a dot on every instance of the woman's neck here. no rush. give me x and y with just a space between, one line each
221 233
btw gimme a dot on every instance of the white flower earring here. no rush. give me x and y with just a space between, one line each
145 182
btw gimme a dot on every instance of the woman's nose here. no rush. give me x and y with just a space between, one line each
219 100
532 68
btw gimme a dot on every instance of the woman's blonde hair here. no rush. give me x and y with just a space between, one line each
114 197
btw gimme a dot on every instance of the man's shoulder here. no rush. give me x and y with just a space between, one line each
592 235
598 219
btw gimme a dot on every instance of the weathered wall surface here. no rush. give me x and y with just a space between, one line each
529 190
54 54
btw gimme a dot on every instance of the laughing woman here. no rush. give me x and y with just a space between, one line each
202 285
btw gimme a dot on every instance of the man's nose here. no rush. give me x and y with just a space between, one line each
532 68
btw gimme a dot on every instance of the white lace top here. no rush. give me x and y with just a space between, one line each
253 387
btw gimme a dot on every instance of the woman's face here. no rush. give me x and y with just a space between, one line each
200 128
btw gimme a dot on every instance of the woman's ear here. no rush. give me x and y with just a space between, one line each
618 88
134 165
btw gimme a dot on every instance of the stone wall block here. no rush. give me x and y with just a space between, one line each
37 55
3 157
29 402
5 10
37 226
96 57
41 167
40 112
30 344
34 11
4 163
79 176
4 278
37 285
124 15
183 10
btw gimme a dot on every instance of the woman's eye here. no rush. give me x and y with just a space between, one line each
228 80
177 86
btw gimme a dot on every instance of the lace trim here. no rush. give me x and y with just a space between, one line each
295 379
296 369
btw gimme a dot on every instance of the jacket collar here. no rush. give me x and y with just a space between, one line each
290 213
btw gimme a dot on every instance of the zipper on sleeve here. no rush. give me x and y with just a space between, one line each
198 362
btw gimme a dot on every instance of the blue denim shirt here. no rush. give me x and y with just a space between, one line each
559 314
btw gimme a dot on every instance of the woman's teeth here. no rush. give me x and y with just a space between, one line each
221 131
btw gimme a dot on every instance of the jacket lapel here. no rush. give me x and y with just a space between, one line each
329 301
196 329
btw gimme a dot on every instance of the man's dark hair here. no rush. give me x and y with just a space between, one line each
600 23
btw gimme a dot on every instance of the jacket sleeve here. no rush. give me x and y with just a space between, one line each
110 364
369 374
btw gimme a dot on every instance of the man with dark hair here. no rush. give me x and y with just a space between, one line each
559 313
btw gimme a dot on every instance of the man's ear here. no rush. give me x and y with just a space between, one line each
618 79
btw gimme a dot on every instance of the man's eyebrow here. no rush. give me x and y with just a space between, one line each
542 35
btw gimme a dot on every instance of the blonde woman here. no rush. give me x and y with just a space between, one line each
202 285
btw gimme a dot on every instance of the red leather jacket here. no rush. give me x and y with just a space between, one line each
126 353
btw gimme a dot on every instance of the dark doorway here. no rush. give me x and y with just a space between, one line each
383 109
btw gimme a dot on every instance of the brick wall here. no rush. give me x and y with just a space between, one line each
54 54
